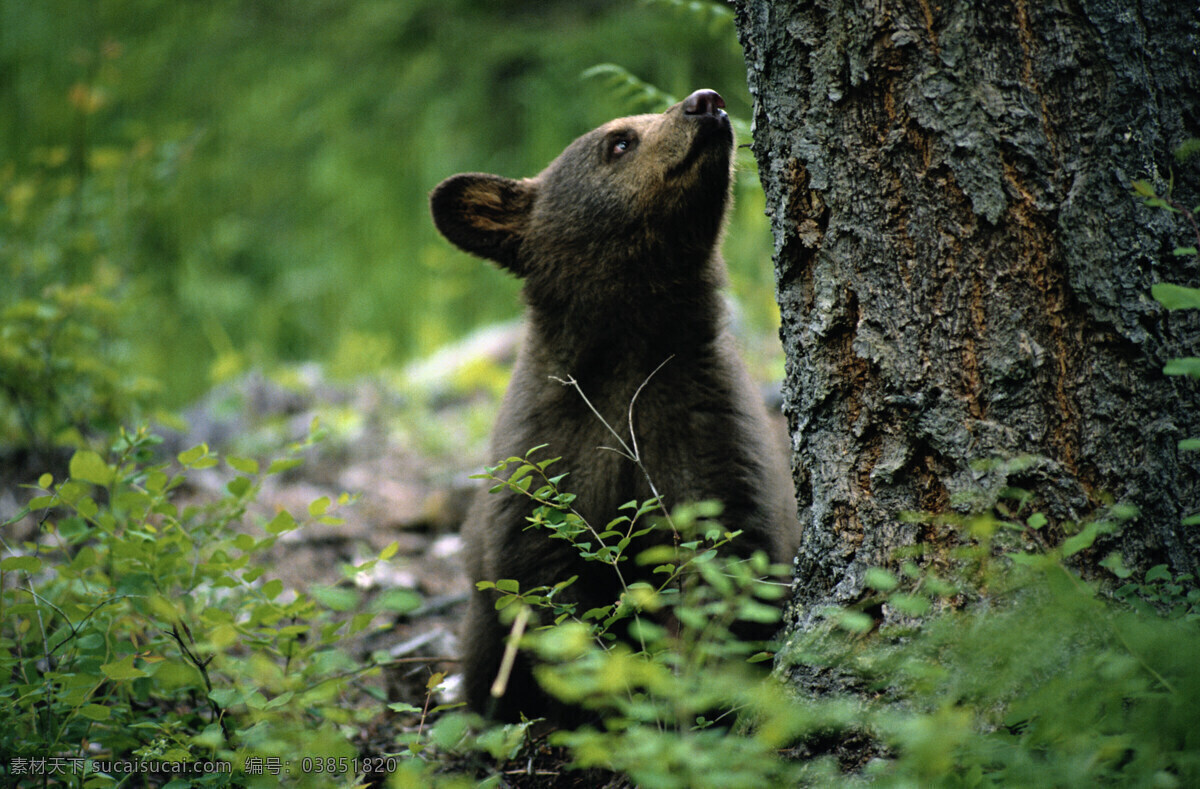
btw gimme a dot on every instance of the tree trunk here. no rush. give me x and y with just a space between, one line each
963 273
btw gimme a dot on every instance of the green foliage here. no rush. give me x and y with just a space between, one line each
141 627
256 175
66 368
996 665
670 692
61 380
1170 295
1042 680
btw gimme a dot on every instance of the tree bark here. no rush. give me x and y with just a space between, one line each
962 272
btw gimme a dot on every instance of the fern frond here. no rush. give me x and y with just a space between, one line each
638 94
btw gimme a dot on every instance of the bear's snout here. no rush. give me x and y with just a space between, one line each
704 102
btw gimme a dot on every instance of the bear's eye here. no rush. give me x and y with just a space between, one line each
620 145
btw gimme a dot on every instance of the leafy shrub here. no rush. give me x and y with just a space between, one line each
65 367
140 628
143 628
1043 679
670 692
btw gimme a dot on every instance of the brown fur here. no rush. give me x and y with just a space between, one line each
618 252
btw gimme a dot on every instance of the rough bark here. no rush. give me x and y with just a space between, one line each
962 272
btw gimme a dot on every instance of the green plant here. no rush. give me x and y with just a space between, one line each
669 689
139 627
1040 680
66 374
1170 295
280 219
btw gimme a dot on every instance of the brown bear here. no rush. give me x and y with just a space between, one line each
617 244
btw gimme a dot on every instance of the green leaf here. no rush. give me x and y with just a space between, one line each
1176 297
910 604
1037 560
239 486
398 601
227 697
1116 565
1187 149
1158 202
508 585
360 622
284 464
880 579
271 589
88 466
1123 511
122 669
336 598
87 507
1036 521
1181 251
1189 444
190 456
282 522
244 465
1158 572
1081 541
95 712
1189 366
30 564
854 621
403 707
1143 189
754 611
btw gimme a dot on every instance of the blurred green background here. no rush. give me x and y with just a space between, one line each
193 189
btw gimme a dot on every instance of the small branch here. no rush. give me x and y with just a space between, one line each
510 653
633 400
202 667
632 453
627 452
75 627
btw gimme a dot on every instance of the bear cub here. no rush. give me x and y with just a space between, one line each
616 242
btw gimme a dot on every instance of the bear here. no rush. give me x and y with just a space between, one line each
616 244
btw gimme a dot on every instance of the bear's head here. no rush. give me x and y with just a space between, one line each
638 202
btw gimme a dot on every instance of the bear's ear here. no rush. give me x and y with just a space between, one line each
485 215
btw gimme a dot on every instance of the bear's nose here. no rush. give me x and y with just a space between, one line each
703 102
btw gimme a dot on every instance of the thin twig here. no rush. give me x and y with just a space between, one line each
510 653
202 667
633 453
633 400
